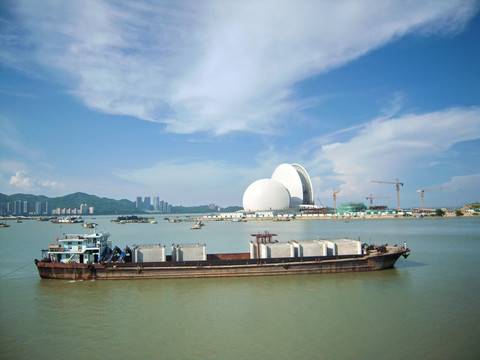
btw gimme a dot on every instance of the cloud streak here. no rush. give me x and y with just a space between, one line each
214 66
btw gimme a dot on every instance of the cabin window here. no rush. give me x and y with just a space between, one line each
69 243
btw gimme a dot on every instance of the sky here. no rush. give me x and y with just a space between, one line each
192 101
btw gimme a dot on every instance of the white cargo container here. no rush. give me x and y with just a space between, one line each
189 252
148 253
276 250
348 247
309 248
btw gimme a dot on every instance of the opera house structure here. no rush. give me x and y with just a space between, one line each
289 187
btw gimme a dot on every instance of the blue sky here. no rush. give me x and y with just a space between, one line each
194 100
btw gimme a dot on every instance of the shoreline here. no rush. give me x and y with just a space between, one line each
310 218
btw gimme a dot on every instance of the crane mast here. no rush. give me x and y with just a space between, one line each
397 186
335 192
422 193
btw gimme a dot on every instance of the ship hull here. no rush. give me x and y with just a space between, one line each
219 268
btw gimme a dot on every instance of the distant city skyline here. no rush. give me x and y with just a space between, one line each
26 208
195 100
158 205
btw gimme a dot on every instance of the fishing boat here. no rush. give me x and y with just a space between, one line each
92 257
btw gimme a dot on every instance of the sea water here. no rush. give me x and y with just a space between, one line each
425 308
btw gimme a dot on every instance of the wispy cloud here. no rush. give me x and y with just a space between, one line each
212 66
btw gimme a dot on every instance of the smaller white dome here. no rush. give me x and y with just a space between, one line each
266 194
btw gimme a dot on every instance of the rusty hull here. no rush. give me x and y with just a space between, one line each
223 266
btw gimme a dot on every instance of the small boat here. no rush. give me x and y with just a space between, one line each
4 225
198 225
89 225
92 257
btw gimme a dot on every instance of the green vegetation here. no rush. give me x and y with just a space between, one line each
439 212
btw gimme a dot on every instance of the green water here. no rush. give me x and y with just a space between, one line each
425 308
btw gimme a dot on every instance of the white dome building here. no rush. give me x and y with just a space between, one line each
266 194
290 186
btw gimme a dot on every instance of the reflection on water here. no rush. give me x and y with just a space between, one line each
425 308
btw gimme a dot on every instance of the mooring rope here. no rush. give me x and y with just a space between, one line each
14 271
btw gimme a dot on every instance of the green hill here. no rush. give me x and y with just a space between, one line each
102 206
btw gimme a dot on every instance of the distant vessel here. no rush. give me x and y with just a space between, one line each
198 225
68 220
91 257
131 219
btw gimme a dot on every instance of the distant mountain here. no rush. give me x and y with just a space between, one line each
73 201
102 206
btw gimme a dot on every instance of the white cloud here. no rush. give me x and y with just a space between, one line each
213 66
385 149
22 181
464 183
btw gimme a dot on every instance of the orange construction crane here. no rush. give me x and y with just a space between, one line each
335 192
397 185
422 191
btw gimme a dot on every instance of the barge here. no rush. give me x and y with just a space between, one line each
92 257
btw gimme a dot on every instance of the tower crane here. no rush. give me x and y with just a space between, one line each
320 201
371 197
335 192
397 185
422 191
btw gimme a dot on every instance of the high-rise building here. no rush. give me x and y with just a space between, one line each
38 208
139 202
156 203
83 209
146 203
17 207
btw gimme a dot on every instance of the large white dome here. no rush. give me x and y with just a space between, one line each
266 194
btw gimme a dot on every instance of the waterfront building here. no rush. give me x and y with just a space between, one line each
156 203
17 207
146 203
83 209
139 202
38 208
